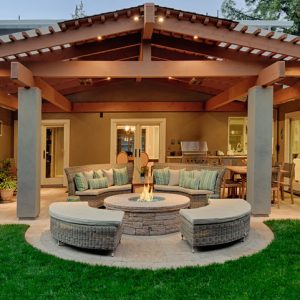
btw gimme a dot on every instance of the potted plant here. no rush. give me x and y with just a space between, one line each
7 188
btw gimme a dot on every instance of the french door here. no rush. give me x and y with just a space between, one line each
135 136
292 144
54 151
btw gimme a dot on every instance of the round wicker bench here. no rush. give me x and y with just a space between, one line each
220 222
77 224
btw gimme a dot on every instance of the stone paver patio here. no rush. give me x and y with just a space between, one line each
167 251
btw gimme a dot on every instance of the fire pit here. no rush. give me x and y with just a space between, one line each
157 216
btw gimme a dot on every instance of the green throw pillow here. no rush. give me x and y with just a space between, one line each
98 183
184 175
120 176
161 176
80 182
208 180
191 183
98 174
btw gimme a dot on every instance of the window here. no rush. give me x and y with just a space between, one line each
237 135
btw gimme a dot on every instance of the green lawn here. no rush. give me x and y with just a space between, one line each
274 273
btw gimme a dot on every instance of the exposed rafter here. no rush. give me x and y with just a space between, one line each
222 34
70 37
287 94
266 77
8 101
24 77
83 51
179 44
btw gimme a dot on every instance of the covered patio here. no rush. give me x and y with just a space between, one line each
148 60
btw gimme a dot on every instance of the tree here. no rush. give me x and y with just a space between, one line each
265 10
79 11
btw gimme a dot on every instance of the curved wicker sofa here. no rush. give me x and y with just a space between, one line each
96 198
221 222
198 198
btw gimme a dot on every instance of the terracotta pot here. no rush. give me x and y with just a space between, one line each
7 195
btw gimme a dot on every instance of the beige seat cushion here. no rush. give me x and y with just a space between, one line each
81 213
217 211
176 188
95 192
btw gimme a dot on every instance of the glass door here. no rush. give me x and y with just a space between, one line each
292 145
135 136
294 139
52 154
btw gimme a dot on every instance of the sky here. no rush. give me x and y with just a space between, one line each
63 9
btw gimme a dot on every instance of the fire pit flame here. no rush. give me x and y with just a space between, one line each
146 195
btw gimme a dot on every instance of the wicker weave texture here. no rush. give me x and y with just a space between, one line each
98 201
85 236
215 234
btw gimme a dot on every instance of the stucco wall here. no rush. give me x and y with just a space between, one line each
284 109
7 134
90 134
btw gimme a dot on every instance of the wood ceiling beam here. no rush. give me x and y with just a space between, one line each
167 54
111 107
85 50
233 93
8 101
266 77
287 94
149 20
222 34
70 36
292 69
153 69
173 44
145 54
118 54
24 77
271 74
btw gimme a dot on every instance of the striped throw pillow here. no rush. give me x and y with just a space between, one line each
161 176
120 176
98 183
81 182
98 174
191 183
184 175
208 179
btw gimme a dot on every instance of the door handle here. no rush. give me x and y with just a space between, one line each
139 152
44 154
135 152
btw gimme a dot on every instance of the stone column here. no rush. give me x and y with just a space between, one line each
29 152
260 116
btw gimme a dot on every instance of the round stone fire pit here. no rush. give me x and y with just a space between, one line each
149 218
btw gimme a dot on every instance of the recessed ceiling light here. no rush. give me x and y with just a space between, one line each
108 78
196 37
99 37
160 19
170 77
136 18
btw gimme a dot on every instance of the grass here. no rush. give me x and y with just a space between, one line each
274 273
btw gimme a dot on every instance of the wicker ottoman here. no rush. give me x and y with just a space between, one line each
77 224
220 222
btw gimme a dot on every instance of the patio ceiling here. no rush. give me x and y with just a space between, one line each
219 58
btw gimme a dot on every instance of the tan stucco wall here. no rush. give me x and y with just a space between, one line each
283 109
90 134
7 134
